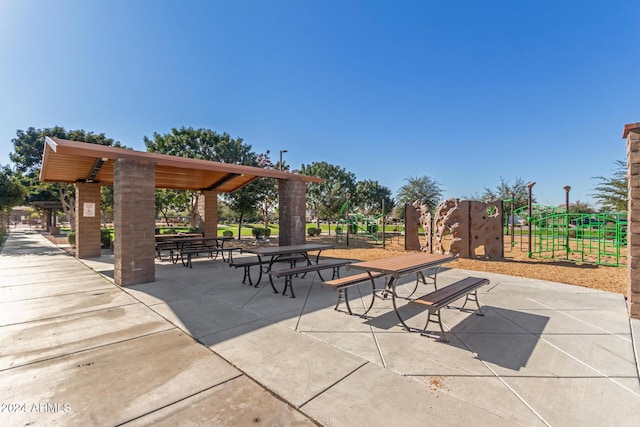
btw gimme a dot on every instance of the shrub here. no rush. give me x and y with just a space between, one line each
105 238
338 230
259 232
227 233
313 231
71 237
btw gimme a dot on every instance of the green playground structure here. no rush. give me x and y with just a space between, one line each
556 233
357 224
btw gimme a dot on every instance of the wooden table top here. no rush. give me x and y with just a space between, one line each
401 265
279 250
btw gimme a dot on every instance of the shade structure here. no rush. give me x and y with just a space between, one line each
73 161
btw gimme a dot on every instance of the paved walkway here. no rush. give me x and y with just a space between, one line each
198 347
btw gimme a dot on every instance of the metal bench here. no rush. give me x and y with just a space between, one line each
229 251
290 272
165 246
247 263
187 252
342 285
434 301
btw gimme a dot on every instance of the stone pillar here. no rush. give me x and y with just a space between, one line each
411 222
632 134
134 222
87 220
292 200
208 212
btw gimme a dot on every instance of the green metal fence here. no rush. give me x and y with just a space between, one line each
592 238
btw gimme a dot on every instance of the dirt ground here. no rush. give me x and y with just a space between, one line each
515 263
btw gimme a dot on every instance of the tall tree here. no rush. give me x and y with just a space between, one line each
27 156
612 192
168 200
425 190
369 196
12 193
327 198
203 144
267 188
581 207
505 190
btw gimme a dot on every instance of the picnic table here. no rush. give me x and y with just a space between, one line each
399 266
185 247
276 253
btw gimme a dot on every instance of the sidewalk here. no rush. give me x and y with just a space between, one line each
198 347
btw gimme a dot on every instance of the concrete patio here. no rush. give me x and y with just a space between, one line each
197 347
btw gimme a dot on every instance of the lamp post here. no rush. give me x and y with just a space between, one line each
513 220
529 187
567 188
281 151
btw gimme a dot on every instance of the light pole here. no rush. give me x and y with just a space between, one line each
529 187
567 188
281 151
513 220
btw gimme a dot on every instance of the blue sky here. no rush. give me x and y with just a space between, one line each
465 92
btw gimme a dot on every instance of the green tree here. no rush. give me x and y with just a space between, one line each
369 196
327 198
243 202
581 207
612 192
425 190
12 193
27 157
267 188
169 200
203 144
505 190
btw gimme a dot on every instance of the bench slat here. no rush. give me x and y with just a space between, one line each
308 268
436 300
452 292
342 282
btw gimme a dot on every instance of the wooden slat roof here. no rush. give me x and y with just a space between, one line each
73 161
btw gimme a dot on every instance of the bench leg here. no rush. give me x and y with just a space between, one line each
246 275
187 262
288 283
343 295
437 319
275 291
473 297
259 276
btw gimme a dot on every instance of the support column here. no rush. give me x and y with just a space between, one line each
292 199
632 134
208 212
134 222
87 220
